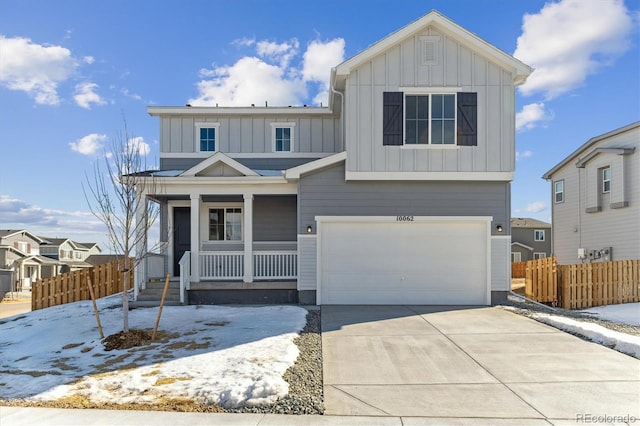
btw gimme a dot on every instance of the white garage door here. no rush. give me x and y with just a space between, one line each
422 260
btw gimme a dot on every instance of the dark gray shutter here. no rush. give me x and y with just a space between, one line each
392 118
467 119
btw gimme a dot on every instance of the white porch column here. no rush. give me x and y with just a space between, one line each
248 238
195 237
140 249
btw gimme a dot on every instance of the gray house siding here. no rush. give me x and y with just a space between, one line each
455 67
327 193
278 163
526 236
589 219
252 133
274 218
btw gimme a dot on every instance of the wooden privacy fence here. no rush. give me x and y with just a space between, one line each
518 269
583 285
106 279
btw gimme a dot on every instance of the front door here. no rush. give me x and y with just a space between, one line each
181 235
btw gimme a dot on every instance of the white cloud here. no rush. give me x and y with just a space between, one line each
536 207
271 75
138 146
88 60
88 145
86 95
570 39
34 68
524 154
531 115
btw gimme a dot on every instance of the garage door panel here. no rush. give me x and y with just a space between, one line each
408 263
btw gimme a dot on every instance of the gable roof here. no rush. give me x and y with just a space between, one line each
589 144
218 158
434 18
8 232
516 243
527 222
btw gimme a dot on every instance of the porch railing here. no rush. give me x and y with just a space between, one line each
221 265
275 264
185 274
229 265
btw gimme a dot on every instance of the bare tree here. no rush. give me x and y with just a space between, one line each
118 190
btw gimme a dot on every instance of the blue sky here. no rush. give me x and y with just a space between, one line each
70 71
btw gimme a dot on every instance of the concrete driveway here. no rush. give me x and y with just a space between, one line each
471 364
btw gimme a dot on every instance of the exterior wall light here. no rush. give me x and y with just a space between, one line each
499 228
309 229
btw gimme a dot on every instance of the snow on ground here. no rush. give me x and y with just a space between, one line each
219 355
626 313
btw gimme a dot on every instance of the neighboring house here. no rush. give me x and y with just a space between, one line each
69 252
596 199
397 192
530 239
20 252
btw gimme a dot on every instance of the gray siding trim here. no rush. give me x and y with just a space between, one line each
619 205
593 209
500 263
325 193
307 262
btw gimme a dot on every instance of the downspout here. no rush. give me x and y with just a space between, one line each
334 91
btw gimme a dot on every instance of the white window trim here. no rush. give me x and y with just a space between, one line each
539 255
556 192
204 234
275 126
606 191
207 125
430 92
535 232
516 256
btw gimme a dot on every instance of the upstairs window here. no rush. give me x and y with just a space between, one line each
558 192
207 137
430 119
282 136
606 180
225 224
538 235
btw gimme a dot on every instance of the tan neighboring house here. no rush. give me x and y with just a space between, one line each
69 252
596 199
20 253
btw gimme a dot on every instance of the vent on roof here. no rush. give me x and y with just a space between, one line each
429 49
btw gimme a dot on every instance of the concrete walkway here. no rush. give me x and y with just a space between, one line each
468 363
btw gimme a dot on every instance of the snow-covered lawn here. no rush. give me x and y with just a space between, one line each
627 313
212 354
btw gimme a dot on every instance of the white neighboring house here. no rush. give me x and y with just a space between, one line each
397 192
20 252
595 194
71 253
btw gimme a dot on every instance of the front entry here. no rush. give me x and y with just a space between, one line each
181 235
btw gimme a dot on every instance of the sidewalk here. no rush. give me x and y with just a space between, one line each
21 416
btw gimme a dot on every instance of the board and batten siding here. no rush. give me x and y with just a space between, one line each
456 67
325 193
618 228
251 133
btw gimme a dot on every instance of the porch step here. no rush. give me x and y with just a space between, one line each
152 295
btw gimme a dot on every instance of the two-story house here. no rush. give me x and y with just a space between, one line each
530 239
596 199
397 192
69 252
20 252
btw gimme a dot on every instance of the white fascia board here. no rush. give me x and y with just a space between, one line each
439 176
157 111
515 243
416 219
248 155
219 157
296 172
